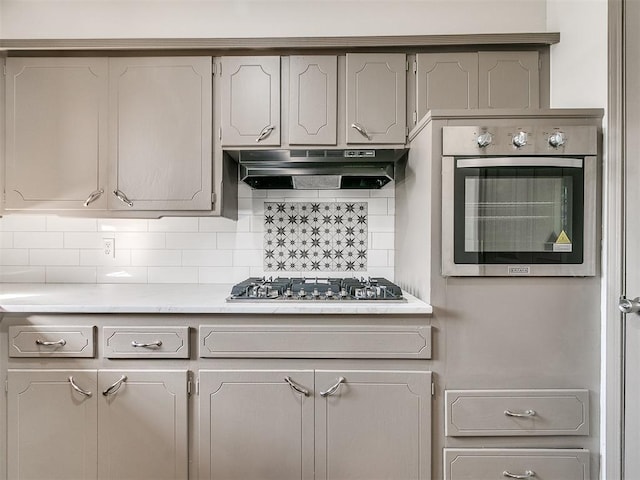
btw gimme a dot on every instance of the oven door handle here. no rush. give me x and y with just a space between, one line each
519 162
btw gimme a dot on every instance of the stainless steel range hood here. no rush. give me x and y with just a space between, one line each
317 169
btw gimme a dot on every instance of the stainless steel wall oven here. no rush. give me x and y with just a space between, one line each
519 200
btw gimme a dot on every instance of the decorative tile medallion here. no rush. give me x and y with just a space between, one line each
318 236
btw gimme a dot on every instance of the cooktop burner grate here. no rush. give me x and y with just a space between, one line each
316 289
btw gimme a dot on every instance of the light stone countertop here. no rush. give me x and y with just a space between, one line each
176 298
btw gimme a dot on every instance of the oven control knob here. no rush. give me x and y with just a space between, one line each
484 139
519 140
557 139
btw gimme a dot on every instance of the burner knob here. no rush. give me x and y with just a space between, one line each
302 293
315 293
519 140
557 139
343 293
329 293
288 293
484 139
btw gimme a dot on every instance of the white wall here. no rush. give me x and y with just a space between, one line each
264 18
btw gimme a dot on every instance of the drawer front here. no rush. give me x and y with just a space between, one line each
516 412
51 341
315 341
146 342
524 463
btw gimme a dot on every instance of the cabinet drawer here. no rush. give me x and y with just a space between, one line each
504 463
146 342
51 341
516 412
315 341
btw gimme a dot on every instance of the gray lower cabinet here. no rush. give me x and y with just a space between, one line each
279 424
105 424
376 98
250 100
523 463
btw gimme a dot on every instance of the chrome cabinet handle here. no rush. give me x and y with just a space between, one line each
115 387
93 196
334 388
265 132
361 130
122 197
60 343
296 387
526 413
526 474
156 344
86 393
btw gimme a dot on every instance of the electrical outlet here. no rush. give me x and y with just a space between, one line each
109 247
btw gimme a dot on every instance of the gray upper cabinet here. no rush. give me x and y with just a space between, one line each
509 80
313 83
160 133
446 80
56 121
376 98
250 101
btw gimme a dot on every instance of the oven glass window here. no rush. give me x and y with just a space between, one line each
518 215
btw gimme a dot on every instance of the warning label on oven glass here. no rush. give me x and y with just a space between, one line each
562 243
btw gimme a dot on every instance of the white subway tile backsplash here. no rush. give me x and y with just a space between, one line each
192 241
23 223
84 239
173 274
54 256
219 224
157 258
14 256
223 275
240 241
207 258
382 240
174 224
381 223
6 239
123 225
38 240
22 274
117 274
97 257
71 275
70 224
247 258
59 249
141 241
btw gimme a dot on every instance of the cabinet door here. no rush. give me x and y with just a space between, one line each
142 420
373 424
446 80
56 121
509 80
376 97
255 425
250 103
313 101
160 133
52 426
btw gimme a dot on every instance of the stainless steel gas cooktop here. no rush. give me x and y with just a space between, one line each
316 289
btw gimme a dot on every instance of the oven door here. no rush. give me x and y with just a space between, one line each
518 216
